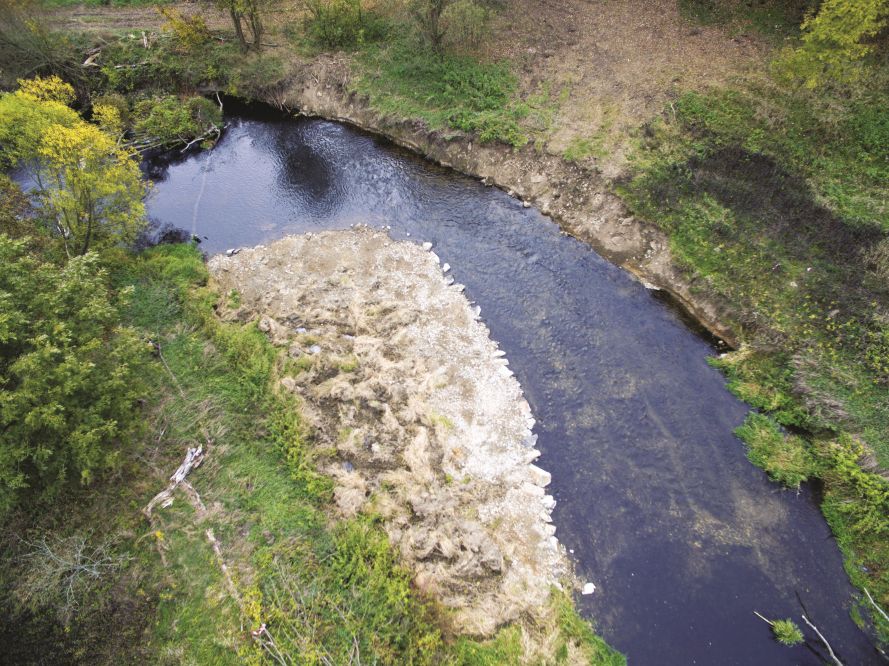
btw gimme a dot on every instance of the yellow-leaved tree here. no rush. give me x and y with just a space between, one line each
835 42
88 188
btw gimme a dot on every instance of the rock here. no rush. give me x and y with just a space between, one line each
491 557
232 251
526 204
314 349
427 246
445 268
588 589
539 477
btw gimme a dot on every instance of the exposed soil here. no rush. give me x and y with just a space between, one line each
619 62
422 421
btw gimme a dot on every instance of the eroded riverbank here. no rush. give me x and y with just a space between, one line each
578 197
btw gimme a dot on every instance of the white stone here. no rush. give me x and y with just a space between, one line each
539 477
427 246
589 588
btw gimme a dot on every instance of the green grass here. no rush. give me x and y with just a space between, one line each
445 90
773 201
775 20
785 457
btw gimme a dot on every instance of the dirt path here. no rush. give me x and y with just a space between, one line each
100 19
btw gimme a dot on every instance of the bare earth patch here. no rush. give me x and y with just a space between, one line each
620 64
417 416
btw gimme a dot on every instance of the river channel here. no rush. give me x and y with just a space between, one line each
683 538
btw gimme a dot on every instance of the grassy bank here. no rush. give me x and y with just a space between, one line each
776 201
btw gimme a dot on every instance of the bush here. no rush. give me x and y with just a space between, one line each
70 376
465 24
117 102
190 32
163 122
341 23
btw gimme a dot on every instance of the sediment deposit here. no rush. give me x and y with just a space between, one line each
416 415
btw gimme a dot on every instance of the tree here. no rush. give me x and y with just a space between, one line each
427 14
89 188
246 17
835 41
28 47
69 374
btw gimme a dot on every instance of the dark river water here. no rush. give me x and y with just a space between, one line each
681 535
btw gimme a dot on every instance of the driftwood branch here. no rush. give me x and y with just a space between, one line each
193 458
764 619
880 610
206 135
823 640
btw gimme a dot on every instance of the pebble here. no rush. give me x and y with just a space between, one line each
300 330
314 349
232 251
526 204
427 246
446 267
589 588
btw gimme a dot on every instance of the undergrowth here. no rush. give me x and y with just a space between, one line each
445 90
775 20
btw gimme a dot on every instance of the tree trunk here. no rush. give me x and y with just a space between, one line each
239 30
256 29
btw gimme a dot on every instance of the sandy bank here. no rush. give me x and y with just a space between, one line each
416 413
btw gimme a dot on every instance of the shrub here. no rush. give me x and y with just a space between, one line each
787 632
117 102
190 32
835 42
163 122
465 24
69 374
341 23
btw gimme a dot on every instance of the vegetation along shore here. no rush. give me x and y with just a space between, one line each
734 155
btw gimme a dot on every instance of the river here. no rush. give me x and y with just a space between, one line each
657 503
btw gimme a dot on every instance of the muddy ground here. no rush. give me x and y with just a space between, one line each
416 414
